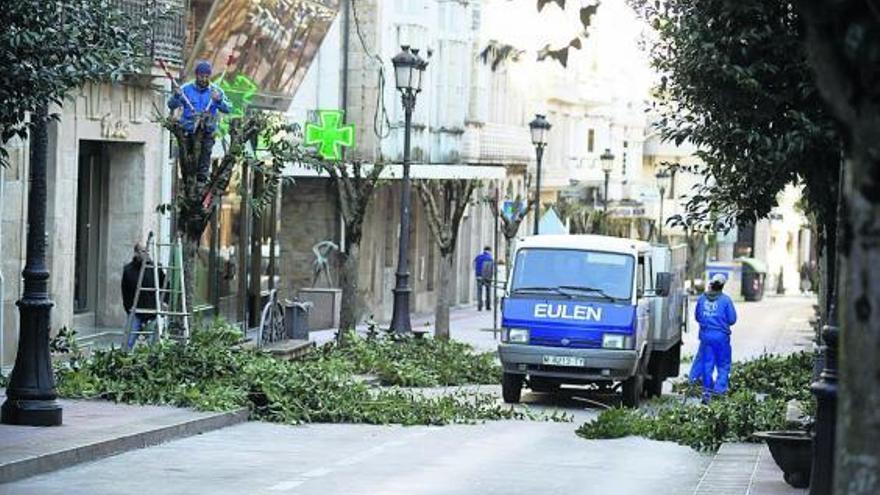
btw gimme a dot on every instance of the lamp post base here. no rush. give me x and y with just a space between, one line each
32 412
400 320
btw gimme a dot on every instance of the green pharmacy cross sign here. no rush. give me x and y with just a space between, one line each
330 135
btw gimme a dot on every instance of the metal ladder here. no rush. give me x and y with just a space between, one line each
175 314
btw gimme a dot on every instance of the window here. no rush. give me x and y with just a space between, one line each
623 162
584 273
591 140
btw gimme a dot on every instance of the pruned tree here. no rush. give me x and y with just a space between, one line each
445 203
262 141
355 187
510 225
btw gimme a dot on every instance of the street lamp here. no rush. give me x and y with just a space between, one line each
539 128
662 177
607 161
409 69
30 395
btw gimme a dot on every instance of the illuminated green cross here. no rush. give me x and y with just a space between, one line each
330 135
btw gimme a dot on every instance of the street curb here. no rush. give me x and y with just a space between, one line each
44 463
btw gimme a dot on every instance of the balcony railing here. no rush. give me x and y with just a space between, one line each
168 34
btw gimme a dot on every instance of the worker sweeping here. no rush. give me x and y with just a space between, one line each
201 101
715 314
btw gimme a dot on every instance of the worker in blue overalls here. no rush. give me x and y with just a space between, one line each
715 314
201 100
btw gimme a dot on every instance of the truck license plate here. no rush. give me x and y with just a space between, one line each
564 361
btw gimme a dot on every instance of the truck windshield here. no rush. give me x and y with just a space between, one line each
575 272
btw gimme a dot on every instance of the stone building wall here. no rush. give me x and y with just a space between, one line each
134 180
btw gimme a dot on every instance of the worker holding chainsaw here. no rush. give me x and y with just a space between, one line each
201 100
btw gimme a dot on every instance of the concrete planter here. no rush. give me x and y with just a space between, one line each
792 450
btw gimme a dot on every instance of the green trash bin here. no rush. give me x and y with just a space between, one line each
754 277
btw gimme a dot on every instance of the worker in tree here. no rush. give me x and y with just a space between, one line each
201 100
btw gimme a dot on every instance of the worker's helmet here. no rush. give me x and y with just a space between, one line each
203 67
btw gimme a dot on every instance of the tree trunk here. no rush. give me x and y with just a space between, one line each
348 280
444 296
508 260
858 450
190 251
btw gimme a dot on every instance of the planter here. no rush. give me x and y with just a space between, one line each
793 453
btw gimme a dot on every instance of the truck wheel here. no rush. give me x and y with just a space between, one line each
632 390
654 385
511 387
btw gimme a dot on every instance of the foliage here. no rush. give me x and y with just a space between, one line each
417 362
499 52
736 84
64 342
584 219
211 374
263 142
48 49
759 391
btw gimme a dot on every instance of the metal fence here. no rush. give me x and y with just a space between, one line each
168 34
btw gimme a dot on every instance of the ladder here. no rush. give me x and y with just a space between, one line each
173 317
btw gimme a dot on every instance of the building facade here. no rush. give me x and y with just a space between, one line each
356 60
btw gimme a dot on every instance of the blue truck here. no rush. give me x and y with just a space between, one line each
586 309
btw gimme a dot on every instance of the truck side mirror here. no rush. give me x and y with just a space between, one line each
664 284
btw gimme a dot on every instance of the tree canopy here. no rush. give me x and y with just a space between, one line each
735 82
50 48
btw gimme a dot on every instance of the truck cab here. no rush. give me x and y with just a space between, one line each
584 309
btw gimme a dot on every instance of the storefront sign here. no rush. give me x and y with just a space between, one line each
331 135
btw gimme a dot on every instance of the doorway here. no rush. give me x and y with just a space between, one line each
91 199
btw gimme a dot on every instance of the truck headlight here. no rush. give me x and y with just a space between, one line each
518 335
613 341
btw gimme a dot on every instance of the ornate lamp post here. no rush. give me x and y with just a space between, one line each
662 177
30 396
408 71
607 161
539 128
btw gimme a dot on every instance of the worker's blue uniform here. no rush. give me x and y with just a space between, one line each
204 105
695 375
715 314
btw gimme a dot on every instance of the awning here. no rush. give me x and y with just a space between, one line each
551 224
435 171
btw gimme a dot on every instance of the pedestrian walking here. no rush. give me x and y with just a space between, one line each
146 299
715 314
484 270
201 100
806 284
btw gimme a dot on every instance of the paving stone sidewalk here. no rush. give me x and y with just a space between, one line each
95 429
744 469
